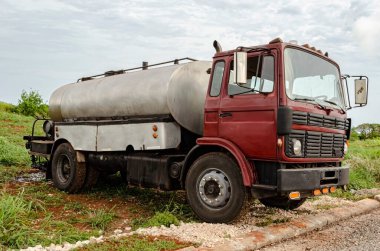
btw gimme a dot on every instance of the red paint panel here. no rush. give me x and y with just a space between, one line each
246 169
253 131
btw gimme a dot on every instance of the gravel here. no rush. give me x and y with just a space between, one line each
255 216
360 233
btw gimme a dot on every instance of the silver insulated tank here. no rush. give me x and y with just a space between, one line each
179 90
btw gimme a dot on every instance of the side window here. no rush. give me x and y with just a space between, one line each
260 76
217 79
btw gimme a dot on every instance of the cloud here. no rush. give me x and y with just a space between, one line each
367 31
47 43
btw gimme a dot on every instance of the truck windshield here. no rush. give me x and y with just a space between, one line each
312 79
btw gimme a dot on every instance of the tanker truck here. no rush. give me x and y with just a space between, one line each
267 121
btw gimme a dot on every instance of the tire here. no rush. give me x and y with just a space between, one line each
282 202
215 189
91 179
68 175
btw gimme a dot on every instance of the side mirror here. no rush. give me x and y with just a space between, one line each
361 91
240 72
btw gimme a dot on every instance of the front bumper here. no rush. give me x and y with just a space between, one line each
306 179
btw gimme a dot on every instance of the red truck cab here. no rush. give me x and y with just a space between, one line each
286 125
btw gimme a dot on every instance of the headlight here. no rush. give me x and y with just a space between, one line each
297 147
48 127
345 150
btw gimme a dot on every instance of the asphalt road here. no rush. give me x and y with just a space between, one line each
358 233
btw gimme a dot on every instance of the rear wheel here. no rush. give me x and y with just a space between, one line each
215 189
68 174
282 202
91 179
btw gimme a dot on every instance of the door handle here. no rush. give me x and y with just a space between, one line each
225 114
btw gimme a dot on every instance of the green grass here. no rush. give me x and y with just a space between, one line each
161 219
159 208
14 157
99 218
5 107
133 243
340 193
364 160
21 226
268 220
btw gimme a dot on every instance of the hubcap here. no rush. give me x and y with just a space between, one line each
64 168
213 188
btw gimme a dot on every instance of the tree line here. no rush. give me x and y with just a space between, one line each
365 131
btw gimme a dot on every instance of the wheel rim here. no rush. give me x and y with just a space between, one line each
213 188
64 168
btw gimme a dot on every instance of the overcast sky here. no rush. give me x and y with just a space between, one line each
47 43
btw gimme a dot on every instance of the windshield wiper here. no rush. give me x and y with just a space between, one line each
312 99
333 103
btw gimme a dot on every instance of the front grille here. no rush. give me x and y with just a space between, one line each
305 118
316 144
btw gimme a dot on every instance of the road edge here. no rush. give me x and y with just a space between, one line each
276 233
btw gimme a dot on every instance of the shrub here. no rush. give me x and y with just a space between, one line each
162 218
31 104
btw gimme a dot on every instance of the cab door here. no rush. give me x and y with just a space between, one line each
212 104
247 113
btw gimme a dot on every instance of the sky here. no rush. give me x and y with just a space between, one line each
47 43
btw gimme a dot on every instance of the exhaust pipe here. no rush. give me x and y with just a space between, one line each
217 46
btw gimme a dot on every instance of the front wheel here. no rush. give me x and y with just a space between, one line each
68 174
282 202
215 189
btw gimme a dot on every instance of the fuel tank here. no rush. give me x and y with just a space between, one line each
179 90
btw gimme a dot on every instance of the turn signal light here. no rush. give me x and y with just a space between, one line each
317 192
155 135
332 189
325 190
294 195
155 128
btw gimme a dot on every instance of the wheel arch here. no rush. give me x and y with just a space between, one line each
206 145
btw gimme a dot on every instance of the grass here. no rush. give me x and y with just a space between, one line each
364 160
99 218
21 226
5 107
268 220
133 243
154 208
340 193
14 158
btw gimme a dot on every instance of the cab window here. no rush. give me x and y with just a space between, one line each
260 76
217 79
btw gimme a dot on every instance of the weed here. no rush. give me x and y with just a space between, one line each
99 218
74 206
21 226
11 154
281 220
14 211
133 243
162 219
265 221
340 193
